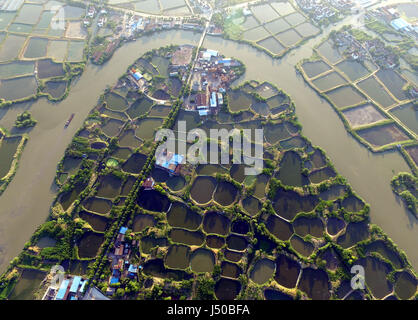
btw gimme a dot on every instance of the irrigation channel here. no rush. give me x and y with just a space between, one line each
25 203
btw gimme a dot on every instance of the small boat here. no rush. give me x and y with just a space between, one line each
67 123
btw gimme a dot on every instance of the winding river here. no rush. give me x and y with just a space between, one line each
25 203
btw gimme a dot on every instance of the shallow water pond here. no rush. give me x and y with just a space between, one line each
304 226
98 205
109 187
191 238
280 228
362 115
227 289
315 68
135 163
153 200
345 96
89 245
15 69
178 257
18 88
408 114
315 283
8 148
216 223
262 271
290 172
202 189
27 285
287 271
376 92
56 88
36 48
181 216
202 260
143 221
97 222
225 193
147 127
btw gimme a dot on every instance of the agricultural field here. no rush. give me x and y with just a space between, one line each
371 98
155 7
30 35
274 27
291 232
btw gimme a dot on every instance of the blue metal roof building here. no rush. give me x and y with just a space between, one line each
75 284
83 285
62 290
114 280
399 24
123 230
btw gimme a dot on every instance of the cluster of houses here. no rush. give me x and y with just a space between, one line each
71 288
317 10
374 49
138 24
137 80
211 77
200 5
120 265
169 161
391 16
91 14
